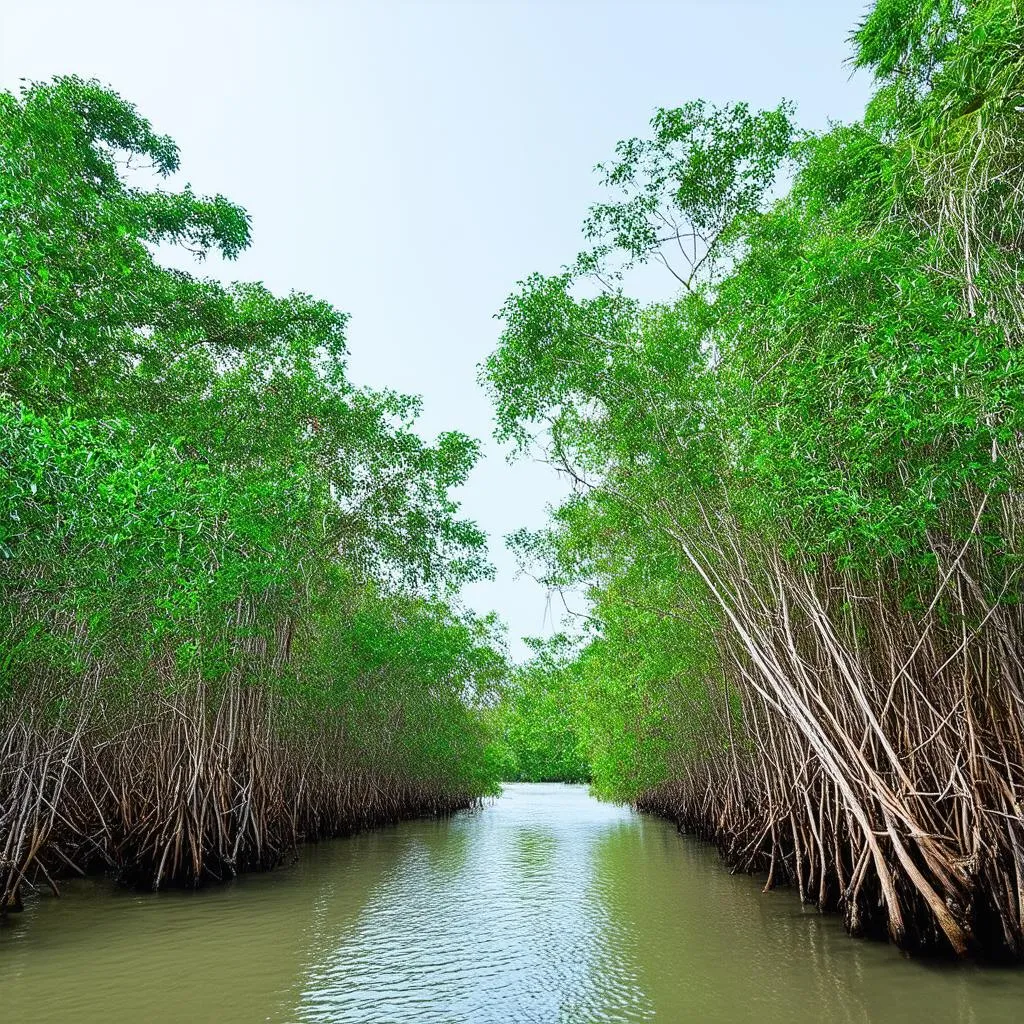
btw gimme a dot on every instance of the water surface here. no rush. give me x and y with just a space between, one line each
546 907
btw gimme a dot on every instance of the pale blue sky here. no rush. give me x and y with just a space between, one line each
409 161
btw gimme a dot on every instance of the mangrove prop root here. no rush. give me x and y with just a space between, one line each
180 790
881 764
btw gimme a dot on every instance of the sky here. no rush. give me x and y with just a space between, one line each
411 161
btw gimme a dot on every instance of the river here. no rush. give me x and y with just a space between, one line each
545 907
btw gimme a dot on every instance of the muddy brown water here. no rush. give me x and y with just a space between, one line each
546 907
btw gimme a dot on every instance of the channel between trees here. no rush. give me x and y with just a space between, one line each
230 576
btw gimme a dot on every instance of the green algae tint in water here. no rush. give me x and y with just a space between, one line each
545 907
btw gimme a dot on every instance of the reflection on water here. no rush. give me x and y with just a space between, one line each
545 907
514 935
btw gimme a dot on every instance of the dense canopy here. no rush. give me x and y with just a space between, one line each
228 573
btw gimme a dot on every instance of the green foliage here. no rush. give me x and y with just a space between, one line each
837 382
190 486
536 736
679 194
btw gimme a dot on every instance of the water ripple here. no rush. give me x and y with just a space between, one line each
544 908
514 935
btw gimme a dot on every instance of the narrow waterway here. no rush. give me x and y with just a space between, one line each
544 907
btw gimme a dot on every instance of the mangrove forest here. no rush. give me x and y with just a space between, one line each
782 386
